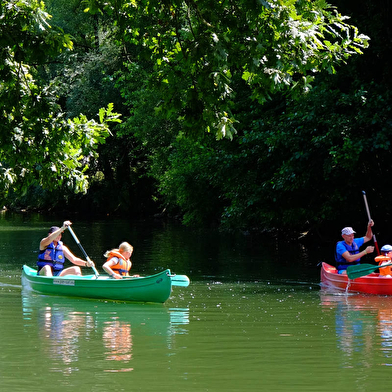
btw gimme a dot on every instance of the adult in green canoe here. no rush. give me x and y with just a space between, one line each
52 254
347 251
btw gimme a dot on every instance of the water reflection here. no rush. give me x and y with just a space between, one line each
117 339
68 327
363 326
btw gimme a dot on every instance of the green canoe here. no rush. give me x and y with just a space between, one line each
153 288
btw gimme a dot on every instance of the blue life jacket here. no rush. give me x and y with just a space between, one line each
353 250
53 256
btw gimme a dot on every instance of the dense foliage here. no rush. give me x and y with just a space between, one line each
198 52
40 146
242 114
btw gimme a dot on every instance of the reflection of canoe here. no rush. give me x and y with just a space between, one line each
367 304
153 288
369 284
117 330
153 318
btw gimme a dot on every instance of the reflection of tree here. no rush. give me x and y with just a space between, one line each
117 339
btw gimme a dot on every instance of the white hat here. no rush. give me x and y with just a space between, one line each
386 248
348 231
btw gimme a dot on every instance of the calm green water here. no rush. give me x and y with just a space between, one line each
253 318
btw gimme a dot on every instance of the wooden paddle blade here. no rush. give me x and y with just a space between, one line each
356 271
179 280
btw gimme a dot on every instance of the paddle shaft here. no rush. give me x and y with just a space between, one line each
368 213
82 249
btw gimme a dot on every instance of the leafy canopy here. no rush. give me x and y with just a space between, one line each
200 50
39 145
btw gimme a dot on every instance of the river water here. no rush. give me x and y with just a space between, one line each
253 318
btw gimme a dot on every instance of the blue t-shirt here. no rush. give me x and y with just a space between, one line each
342 247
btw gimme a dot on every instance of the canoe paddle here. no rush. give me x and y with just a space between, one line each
179 280
82 249
176 280
356 271
368 213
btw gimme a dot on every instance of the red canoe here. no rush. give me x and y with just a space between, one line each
369 284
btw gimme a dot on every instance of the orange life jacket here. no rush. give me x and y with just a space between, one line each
383 260
123 266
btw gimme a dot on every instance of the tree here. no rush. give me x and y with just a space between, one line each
196 66
39 145
200 50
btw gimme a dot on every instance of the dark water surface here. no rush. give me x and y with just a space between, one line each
253 318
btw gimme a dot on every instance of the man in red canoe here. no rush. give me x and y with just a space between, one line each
347 251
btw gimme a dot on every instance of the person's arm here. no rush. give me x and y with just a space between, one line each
76 260
350 258
52 236
49 239
369 233
108 268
